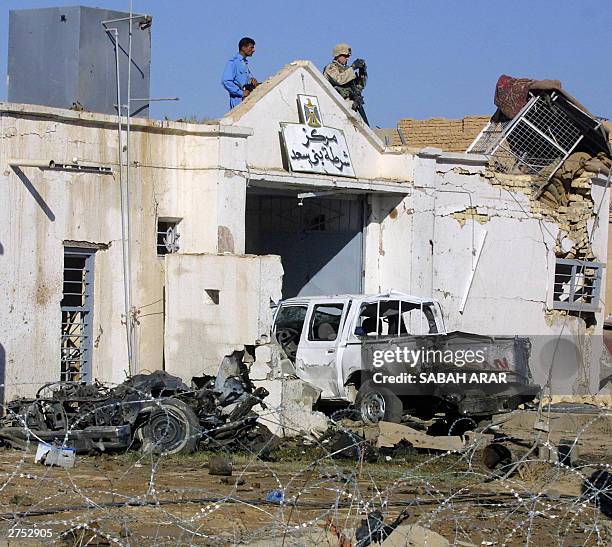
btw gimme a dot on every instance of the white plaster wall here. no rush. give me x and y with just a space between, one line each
512 287
199 332
175 175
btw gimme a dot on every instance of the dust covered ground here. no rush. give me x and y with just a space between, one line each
136 499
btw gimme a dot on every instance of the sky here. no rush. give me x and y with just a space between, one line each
427 58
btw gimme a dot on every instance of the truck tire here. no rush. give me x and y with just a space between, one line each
377 403
172 428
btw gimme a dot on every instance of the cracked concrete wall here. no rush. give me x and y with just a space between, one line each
511 293
175 174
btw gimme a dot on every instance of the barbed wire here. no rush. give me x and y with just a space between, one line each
305 490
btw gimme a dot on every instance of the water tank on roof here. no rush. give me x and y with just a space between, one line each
63 57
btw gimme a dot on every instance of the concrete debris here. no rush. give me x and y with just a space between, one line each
290 408
290 402
568 195
391 434
327 536
271 362
566 453
559 423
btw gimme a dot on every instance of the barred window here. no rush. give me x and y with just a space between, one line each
577 285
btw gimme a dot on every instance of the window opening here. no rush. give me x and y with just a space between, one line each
395 318
167 236
316 223
325 322
77 315
577 285
288 328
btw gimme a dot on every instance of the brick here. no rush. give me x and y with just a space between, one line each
449 135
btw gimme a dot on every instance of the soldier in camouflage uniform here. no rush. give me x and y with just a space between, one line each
348 81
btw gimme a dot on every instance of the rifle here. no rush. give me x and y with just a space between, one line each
356 88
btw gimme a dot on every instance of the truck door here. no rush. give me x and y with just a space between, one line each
317 352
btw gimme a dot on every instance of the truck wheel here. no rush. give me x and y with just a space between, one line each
377 403
171 428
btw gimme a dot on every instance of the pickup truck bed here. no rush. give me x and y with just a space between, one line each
499 382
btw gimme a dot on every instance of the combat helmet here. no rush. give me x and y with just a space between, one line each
341 49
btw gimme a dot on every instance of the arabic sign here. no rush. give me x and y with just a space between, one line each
317 150
310 112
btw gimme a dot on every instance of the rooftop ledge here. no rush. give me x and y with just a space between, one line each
213 128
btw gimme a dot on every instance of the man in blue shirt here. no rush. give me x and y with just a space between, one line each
237 77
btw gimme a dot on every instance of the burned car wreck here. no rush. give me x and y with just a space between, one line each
156 413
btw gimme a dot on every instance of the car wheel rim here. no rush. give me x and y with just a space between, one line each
167 431
373 407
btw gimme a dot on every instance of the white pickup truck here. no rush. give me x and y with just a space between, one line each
390 354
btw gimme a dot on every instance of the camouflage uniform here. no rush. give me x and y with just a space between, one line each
341 77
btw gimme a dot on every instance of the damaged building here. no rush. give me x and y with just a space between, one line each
274 200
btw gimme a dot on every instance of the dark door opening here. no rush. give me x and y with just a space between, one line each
320 242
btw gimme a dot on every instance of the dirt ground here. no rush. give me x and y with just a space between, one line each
132 499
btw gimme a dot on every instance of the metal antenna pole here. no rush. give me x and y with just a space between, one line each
128 127
126 234
124 248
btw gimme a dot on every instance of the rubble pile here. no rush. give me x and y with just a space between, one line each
568 195
290 403
359 484
158 412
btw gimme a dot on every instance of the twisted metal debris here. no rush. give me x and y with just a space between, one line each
324 493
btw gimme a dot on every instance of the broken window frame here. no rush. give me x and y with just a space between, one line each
582 285
427 317
167 239
77 320
282 317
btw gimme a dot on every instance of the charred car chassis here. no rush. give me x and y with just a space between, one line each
155 412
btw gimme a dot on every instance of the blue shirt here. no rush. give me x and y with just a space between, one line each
235 76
